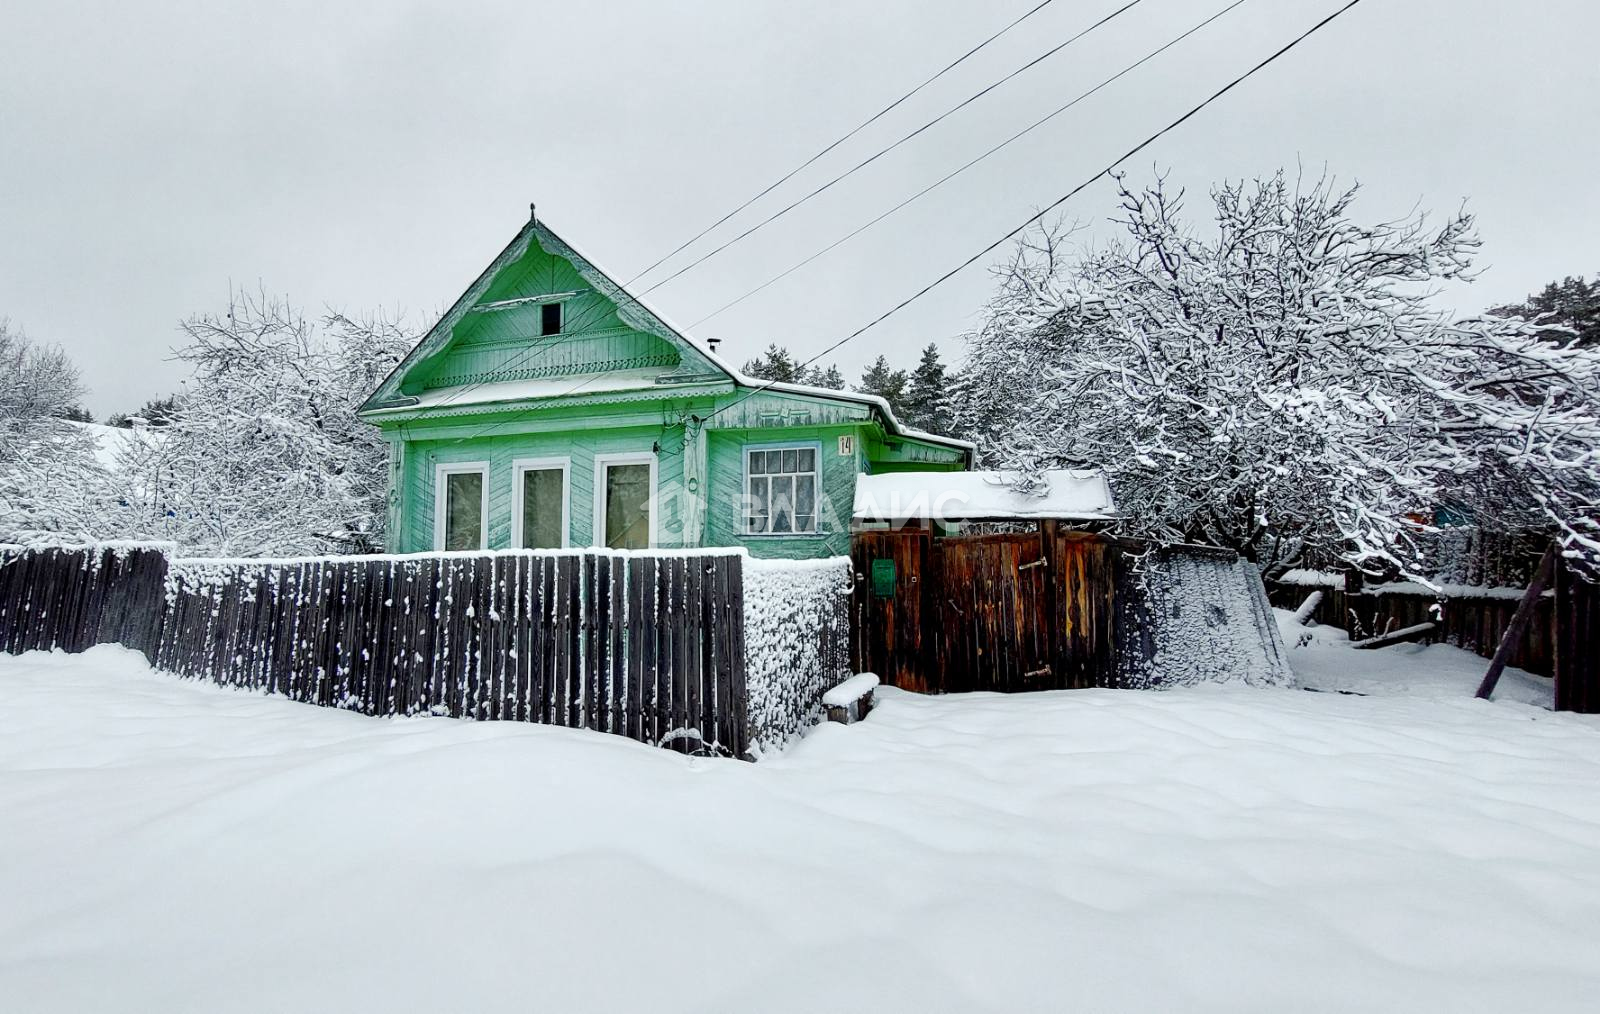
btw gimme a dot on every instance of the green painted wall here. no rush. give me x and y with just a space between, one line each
695 464
500 452
505 344
580 433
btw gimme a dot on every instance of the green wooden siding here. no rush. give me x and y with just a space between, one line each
680 405
423 457
505 344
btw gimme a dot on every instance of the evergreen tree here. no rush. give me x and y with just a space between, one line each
888 384
1570 303
928 395
156 412
774 364
75 413
830 378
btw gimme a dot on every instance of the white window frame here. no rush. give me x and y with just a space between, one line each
604 461
521 465
441 490
816 507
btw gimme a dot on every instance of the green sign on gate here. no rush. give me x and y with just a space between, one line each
882 579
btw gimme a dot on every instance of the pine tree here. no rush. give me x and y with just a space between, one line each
928 395
1571 303
830 378
156 412
888 384
774 364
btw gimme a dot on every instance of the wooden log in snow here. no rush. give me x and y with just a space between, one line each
1397 636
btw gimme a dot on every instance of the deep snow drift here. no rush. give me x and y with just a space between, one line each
174 846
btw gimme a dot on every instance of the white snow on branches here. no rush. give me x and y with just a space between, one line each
1286 383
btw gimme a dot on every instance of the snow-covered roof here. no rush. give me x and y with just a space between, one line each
576 384
1064 494
633 310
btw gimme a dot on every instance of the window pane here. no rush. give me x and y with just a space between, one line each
782 505
808 459
805 523
463 512
758 462
805 496
789 460
758 505
550 319
628 506
542 500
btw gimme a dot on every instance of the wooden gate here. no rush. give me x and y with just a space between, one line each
1015 612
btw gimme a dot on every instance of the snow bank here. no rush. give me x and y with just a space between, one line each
797 643
1204 618
178 847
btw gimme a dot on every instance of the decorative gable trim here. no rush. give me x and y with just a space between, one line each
696 364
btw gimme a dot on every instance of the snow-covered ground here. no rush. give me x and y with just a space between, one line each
173 846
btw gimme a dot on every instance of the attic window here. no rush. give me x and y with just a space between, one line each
549 319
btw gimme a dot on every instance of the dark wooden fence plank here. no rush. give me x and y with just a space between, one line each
649 646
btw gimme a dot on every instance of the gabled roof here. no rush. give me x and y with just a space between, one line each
636 314
630 309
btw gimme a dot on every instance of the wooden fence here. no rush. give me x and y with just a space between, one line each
648 646
1471 622
1562 640
1054 609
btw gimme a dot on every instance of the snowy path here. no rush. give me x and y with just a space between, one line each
172 846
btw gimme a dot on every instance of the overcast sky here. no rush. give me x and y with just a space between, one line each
380 154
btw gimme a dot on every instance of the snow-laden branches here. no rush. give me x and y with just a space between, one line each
263 454
1286 383
266 455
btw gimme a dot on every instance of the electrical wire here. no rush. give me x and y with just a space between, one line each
858 128
1058 202
963 168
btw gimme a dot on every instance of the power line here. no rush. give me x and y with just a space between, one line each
858 128
1053 205
537 351
884 151
963 168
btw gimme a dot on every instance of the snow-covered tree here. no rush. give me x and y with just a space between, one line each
1285 382
49 479
1571 305
264 455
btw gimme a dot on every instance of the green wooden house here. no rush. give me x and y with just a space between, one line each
548 408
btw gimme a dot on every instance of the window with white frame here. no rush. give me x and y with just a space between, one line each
540 503
780 490
461 506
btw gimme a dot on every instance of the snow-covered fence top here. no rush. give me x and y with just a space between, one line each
797 643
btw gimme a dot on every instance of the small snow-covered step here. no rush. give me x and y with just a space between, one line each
850 701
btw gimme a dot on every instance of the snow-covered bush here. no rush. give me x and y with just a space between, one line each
1286 383
796 643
